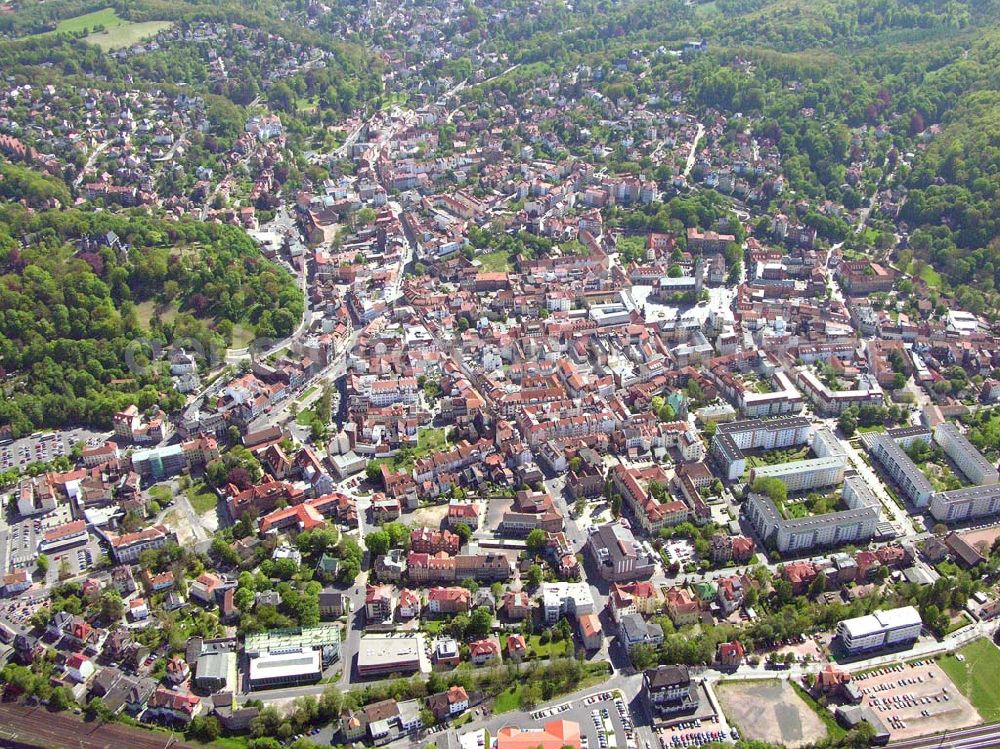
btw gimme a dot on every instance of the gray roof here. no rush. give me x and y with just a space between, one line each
213 666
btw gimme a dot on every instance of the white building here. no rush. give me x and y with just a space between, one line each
561 599
803 475
882 629
972 463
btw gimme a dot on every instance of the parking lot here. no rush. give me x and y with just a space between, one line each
915 699
41 448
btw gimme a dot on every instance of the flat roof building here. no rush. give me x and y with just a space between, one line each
882 629
970 461
898 465
285 669
389 654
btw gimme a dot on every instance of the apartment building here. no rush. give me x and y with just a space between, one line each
856 524
970 461
966 504
566 599
898 465
755 434
803 475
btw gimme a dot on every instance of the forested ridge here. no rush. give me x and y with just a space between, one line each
67 317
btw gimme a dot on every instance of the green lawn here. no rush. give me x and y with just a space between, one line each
976 676
432 626
430 440
127 34
507 700
117 31
202 498
495 261
549 650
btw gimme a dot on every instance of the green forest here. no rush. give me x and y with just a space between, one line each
67 317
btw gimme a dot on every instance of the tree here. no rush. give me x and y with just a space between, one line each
43 564
378 542
61 699
204 728
536 539
464 532
818 586
848 422
480 623
533 577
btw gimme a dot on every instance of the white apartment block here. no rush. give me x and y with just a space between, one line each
966 504
972 463
803 475
756 434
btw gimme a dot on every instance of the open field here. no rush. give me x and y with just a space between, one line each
976 676
902 705
202 498
495 261
127 34
147 310
770 711
116 31
430 516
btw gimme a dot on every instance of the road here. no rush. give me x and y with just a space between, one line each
101 148
694 150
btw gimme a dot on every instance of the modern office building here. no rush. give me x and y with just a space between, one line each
879 630
379 655
755 434
281 669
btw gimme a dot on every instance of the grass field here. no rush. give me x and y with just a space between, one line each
117 31
495 261
549 650
507 700
127 34
202 498
976 676
147 310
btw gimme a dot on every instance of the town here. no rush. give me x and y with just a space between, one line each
596 429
